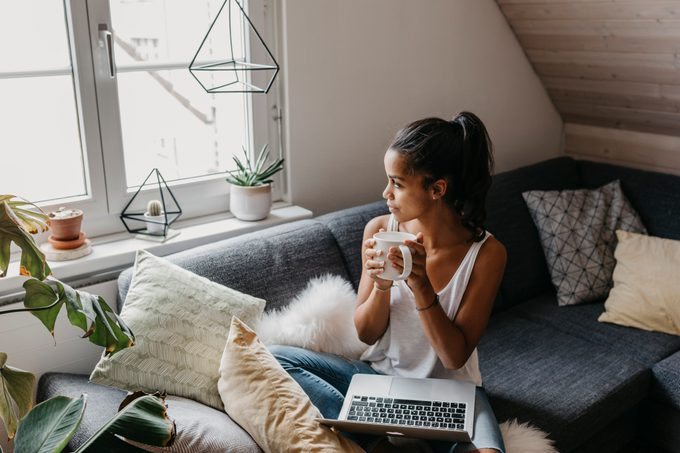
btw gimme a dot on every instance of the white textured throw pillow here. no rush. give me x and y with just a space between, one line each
320 318
181 322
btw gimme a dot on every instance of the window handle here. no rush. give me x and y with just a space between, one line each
106 41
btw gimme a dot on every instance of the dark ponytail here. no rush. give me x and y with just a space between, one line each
459 151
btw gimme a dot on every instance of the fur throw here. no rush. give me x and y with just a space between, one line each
524 438
320 318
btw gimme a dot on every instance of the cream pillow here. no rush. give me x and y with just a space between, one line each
646 292
180 321
261 397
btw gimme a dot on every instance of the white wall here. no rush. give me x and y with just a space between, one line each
30 346
355 71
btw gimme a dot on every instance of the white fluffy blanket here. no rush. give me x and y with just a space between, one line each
320 318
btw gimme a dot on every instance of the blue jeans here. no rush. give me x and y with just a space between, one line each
326 377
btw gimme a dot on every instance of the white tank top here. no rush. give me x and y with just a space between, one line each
404 350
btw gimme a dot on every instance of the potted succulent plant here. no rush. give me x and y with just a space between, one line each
251 192
49 426
155 217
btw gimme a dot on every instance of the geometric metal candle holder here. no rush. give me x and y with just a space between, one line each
136 216
243 65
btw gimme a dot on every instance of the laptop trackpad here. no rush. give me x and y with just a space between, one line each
406 388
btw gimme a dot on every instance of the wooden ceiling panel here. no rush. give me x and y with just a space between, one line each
613 63
619 66
591 10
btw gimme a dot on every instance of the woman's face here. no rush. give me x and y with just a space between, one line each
405 195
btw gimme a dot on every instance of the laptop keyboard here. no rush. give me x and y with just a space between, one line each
416 413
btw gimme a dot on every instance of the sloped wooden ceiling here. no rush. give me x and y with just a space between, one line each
611 64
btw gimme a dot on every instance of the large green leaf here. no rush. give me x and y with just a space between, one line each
5 243
74 309
32 259
143 420
40 294
31 220
109 330
100 324
50 425
16 394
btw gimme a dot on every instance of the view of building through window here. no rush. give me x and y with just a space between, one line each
167 120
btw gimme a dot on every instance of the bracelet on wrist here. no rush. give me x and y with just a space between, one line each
376 286
434 302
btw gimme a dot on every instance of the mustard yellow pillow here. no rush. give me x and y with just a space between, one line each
261 397
646 292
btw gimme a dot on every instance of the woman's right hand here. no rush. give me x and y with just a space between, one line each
374 267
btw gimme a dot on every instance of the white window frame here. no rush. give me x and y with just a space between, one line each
100 127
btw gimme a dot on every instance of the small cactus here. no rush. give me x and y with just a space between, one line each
154 208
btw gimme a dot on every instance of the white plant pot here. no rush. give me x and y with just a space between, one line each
250 203
155 228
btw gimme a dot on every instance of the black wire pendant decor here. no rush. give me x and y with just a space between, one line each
154 225
233 57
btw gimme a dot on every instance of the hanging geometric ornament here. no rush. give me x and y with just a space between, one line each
233 57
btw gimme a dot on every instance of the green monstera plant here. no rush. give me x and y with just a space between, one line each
49 426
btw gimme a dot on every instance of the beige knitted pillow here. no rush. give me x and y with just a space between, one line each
646 292
261 397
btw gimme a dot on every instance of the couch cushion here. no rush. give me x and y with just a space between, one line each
199 427
526 272
347 227
273 264
666 382
181 321
566 386
102 402
646 292
653 195
581 322
268 403
577 229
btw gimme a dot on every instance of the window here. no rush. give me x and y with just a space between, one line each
38 108
85 122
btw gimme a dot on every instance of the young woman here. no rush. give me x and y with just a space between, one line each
429 325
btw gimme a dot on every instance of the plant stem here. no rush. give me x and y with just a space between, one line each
17 310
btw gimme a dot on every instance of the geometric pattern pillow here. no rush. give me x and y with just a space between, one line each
577 232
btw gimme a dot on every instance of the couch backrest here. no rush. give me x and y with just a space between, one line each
347 227
274 264
508 219
655 196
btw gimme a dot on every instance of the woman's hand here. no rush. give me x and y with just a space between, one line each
417 279
375 267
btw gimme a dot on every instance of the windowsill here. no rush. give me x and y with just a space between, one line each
113 253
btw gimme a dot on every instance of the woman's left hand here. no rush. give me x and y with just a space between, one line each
417 279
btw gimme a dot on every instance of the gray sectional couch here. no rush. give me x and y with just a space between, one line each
592 386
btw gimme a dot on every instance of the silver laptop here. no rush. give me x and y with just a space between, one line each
439 409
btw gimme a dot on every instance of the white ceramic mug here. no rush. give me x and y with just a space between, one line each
386 239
